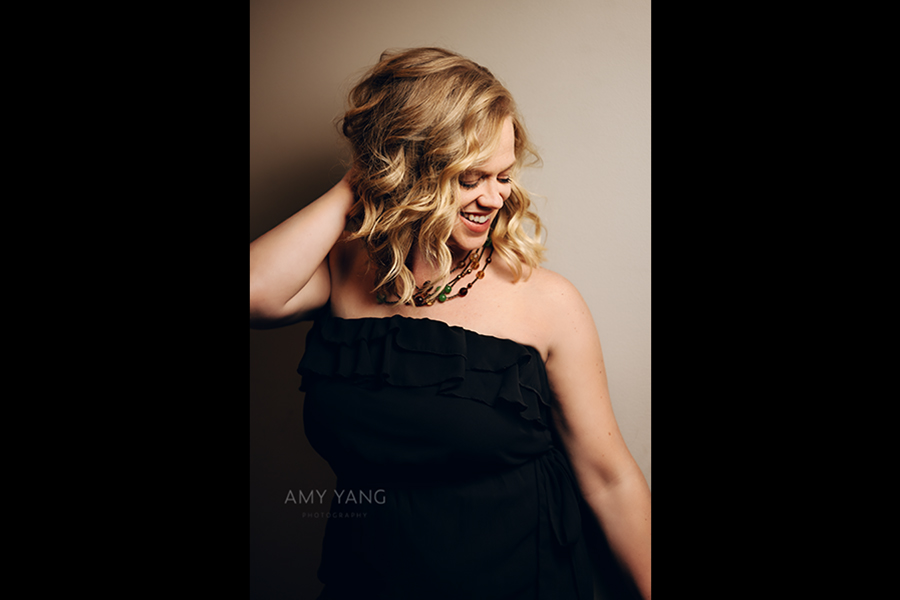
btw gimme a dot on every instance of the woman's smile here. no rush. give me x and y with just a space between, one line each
476 218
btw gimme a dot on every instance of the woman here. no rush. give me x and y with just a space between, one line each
448 375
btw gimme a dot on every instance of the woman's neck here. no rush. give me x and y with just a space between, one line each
423 270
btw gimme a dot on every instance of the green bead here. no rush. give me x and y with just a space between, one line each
442 297
447 289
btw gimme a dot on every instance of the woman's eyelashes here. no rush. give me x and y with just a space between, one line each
472 183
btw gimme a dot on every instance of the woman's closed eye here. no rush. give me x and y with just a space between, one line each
472 183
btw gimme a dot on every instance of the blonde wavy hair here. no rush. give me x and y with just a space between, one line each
416 121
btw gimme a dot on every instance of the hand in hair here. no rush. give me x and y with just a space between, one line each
289 276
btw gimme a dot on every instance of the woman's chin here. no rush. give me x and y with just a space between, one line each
462 244
468 236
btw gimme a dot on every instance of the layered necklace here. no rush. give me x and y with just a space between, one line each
429 293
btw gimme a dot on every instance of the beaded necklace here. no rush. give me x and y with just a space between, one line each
427 295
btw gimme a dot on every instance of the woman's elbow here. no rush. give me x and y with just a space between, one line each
268 311
264 313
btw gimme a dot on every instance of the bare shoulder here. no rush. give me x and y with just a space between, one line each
563 310
555 296
550 285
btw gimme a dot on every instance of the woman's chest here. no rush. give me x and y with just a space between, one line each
496 307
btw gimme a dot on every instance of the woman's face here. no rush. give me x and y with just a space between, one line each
482 192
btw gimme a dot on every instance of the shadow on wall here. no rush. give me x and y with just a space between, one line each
276 196
285 533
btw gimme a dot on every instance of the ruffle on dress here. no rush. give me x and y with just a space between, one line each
407 352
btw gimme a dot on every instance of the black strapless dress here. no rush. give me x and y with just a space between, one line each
449 482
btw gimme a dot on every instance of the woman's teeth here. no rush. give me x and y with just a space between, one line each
476 218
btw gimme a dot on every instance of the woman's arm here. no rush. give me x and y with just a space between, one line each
289 277
610 479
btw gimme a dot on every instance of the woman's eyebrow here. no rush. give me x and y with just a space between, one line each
478 171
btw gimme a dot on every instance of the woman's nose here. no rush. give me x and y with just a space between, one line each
494 195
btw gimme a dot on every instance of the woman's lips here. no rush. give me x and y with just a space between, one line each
476 222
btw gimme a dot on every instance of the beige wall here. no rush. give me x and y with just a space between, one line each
580 71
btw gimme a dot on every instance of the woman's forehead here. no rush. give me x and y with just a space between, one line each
503 155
